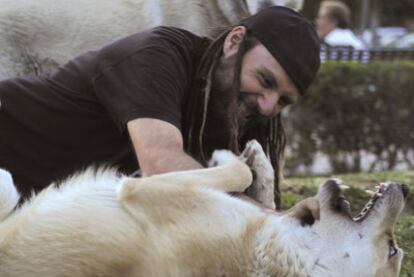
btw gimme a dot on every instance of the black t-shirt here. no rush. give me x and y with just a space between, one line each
53 125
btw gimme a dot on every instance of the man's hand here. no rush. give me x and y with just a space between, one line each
159 147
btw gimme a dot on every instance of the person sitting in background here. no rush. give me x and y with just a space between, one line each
333 22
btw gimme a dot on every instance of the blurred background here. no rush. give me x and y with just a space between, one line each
379 23
357 116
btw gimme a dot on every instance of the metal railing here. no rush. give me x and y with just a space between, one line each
347 53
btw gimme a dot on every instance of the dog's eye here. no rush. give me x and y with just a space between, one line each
391 249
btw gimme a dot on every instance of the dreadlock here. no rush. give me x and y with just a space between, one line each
202 118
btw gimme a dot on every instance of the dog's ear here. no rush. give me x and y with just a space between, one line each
307 211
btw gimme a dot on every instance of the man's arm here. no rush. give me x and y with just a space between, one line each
159 147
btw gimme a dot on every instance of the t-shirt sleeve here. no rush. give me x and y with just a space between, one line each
147 84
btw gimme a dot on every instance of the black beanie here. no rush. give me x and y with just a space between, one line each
291 39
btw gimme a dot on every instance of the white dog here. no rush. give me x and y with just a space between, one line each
183 224
37 36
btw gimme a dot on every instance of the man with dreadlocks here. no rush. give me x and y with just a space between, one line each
161 100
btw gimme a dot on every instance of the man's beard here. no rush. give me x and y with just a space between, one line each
228 115
221 123
226 96
226 91
247 113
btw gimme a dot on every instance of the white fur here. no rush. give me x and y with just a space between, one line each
254 5
99 223
8 194
37 36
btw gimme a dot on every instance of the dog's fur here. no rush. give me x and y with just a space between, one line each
37 36
183 224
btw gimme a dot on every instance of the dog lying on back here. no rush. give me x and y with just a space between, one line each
185 224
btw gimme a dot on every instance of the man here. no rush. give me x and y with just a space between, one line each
164 97
333 22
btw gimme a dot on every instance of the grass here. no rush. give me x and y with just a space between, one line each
296 189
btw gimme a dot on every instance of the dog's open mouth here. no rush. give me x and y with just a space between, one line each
381 190
384 191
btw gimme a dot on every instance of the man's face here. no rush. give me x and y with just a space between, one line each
324 24
265 87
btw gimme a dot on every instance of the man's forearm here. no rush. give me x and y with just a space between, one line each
168 160
159 147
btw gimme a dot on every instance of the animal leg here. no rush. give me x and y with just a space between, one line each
229 175
262 188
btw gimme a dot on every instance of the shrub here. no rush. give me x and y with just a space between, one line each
351 110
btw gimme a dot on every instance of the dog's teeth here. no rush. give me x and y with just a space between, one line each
344 187
383 187
337 180
368 206
370 192
358 217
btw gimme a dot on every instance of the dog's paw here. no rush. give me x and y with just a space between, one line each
254 156
262 188
222 157
250 151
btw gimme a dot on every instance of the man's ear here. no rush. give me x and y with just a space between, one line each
233 40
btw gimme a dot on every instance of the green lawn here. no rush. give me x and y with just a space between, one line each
296 189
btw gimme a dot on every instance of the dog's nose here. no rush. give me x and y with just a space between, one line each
405 190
